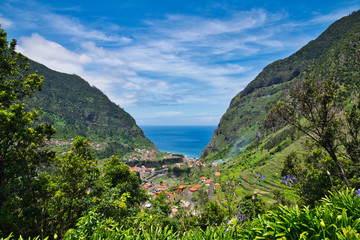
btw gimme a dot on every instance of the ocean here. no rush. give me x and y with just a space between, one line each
186 140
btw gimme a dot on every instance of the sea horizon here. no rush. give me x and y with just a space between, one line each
187 140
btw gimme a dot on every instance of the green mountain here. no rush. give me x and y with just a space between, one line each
335 53
75 108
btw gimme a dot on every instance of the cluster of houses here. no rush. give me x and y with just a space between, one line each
143 154
181 191
156 190
143 170
58 143
190 163
146 154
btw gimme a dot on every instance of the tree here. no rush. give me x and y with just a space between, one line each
77 176
22 151
316 108
228 189
118 175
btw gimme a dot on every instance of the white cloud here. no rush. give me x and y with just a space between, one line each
5 22
71 26
192 28
52 54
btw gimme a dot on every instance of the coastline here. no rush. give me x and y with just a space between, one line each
187 140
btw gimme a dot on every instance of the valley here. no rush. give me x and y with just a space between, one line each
282 163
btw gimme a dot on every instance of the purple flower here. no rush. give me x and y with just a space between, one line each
227 230
241 218
358 192
259 177
288 180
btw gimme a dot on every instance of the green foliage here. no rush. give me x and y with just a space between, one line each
92 226
251 206
79 185
315 109
118 175
178 171
22 150
113 148
76 174
160 206
213 215
335 218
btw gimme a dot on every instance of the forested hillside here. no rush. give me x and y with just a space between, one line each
75 108
335 53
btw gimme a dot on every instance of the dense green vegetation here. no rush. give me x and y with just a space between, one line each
75 108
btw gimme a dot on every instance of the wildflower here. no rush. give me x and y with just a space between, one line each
253 197
288 180
89 191
241 218
227 230
259 177
358 192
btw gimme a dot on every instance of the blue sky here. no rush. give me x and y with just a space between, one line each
167 62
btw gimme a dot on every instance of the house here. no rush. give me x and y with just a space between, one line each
184 204
174 209
147 205
207 182
160 188
135 169
148 170
181 188
194 188
147 185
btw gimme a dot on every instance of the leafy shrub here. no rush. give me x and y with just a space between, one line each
338 217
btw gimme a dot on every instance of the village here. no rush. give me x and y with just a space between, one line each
156 182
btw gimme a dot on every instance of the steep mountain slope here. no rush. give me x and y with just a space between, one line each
76 109
335 53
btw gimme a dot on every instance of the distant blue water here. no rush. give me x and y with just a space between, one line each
186 140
